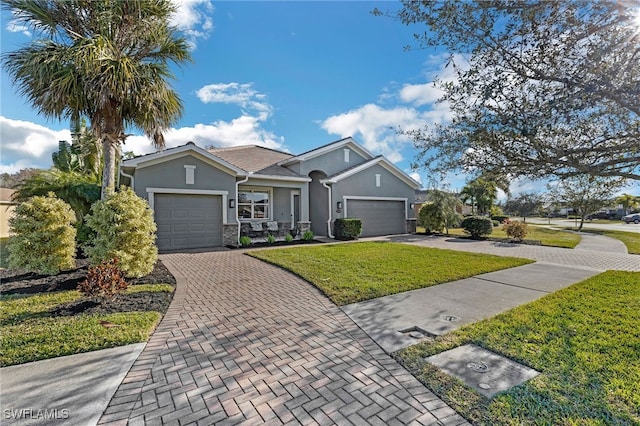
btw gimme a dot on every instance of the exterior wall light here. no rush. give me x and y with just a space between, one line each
232 203
339 205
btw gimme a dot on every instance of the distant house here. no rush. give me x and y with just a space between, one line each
208 198
6 210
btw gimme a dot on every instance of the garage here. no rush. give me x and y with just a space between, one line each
188 221
379 217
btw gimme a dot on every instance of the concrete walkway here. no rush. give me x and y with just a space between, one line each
72 390
443 308
247 343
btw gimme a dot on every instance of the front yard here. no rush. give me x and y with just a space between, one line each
44 317
546 236
630 239
353 272
584 339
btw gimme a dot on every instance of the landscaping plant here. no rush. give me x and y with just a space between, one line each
515 229
477 226
125 230
104 281
308 235
44 239
271 239
348 229
288 238
245 241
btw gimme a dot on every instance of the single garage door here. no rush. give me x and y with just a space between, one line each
379 217
188 221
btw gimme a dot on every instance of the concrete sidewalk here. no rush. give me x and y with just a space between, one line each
443 308
71 390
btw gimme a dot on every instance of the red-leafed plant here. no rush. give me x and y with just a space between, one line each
104 281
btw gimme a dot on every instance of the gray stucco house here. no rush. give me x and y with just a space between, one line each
207 198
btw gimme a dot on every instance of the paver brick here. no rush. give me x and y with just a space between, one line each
244 341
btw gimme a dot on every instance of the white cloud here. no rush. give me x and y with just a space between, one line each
241 94
193 18
377 128
14 27
416 176
26 144
243 130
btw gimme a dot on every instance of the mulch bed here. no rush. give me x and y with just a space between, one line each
20 282
263 244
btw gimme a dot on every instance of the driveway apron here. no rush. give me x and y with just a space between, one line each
246 342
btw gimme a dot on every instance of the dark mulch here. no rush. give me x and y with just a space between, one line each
496 239
20 282
276 244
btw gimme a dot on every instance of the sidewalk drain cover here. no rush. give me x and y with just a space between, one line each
486 372
478 366
450 318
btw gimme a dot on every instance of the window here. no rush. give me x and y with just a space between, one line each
377 180
253 203
346 155
189 177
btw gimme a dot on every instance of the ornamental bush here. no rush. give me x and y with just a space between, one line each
431 218
104 281
348 228
516 230
308 235
44 239
477 226
125 230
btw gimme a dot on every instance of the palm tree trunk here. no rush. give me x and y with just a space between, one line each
108 172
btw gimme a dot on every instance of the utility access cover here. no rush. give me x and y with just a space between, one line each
484 371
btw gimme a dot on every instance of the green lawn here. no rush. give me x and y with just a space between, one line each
546 236
630 239
28 332
353 272
584 339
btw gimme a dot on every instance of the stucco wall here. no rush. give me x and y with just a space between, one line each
172 174
332 162
364 184
6 211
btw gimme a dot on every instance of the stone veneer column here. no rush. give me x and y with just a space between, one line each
411 225
230 234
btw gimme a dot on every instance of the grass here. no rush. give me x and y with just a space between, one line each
584 339
630 239
28 331
546 236
353 272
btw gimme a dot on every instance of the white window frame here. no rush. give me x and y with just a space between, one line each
252 189
189 174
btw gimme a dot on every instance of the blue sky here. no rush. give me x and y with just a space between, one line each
287 75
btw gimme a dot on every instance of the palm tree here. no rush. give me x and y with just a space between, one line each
480 192
628 202
107 60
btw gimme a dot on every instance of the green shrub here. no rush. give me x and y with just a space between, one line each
477 226
245 241
44 239
104 281
348 229
288 238
430 216
516 230
308 235
125 230
271 239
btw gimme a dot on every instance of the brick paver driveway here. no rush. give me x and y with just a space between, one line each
244 341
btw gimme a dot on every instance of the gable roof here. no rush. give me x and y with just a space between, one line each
252 158
327 148
180 151
377 160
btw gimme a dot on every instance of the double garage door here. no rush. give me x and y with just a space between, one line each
188 221
379 217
